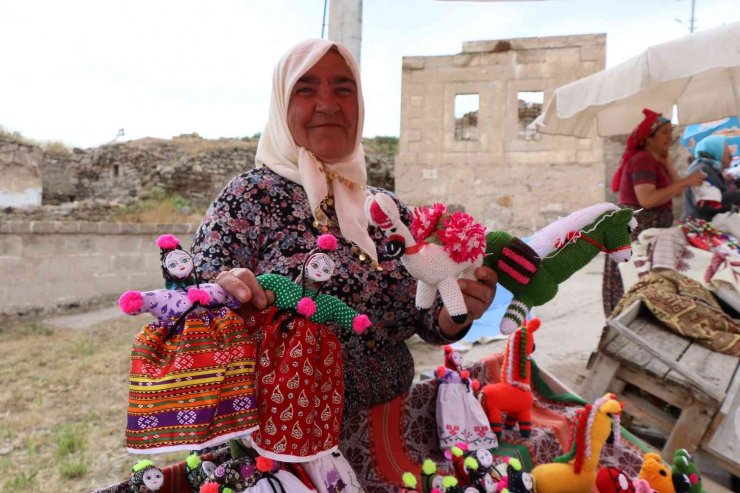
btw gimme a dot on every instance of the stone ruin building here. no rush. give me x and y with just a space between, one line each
464 137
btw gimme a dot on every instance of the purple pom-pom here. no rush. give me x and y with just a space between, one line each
168 242
361 323
130 302
327 241
306 307
199 296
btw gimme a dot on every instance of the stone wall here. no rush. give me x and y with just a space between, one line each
507 178
20 164
51 265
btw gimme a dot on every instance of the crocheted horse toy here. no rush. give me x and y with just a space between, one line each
440 247
183 292
576 471
513 394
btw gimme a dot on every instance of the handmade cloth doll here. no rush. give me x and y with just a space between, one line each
685 470
299 371
656 473
517 480
440 247
331 473
146 478
485 478
513 395
460 417
193 368
182 294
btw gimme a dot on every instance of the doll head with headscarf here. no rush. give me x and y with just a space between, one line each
714 150
313 136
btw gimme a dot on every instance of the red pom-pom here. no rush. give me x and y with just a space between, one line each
361 323
168 242
209 488
533 324
476 385
264 464
327 242
201 296
448 349
464 374
441 370
306 307
130 302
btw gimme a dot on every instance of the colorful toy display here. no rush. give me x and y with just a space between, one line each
513 394
576 471
442 246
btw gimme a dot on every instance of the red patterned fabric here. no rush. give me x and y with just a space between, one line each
300 389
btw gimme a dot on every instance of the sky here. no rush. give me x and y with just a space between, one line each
76 71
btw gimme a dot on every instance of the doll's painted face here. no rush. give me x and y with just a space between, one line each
153 479
527 481
457 358
488 485
319 267
484 457
179 264
437 482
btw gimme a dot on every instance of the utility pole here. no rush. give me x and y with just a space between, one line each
345 24
692 25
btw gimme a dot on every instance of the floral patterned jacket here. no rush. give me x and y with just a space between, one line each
263 222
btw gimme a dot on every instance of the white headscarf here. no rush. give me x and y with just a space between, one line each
278 151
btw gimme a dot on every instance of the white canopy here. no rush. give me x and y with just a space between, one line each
699 73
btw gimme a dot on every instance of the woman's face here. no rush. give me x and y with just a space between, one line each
661 140
179 264
323 109
320 267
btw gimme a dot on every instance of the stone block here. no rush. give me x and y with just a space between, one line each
413 63
564 55
584 144
41 246
125 263
10 246
531 56
585 157
462 60
413 135
416 101
488 46
593 53
109 228
525 43
88 227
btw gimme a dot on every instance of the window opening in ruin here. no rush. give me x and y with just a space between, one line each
115 171
466 116
530 107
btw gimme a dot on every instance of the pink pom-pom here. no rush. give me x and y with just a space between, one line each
168 242
327 242
361 323
196 295
130 302
264 464
503 484
462 445
694 478
306 307
209 488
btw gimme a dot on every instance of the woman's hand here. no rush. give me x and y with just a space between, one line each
242 284
478 297
695 179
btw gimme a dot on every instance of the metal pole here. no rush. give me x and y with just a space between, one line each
323 21
693 11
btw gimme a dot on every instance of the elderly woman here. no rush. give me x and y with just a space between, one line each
311 179
646 179
713 156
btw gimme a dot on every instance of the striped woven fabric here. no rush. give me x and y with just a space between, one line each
193 388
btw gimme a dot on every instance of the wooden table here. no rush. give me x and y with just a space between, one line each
636 351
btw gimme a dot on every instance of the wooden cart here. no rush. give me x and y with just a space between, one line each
636 351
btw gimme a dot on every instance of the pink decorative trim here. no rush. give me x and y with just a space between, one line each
519 259
514 274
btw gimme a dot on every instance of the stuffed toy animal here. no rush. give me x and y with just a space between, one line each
656 473
440 247
683 465
513 394
146 478
183 293
460 417
576 471
300 377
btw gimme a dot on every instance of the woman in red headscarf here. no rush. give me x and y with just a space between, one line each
646 179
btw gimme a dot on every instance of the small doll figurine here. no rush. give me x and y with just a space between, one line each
146 477
197 471
300 376
485 478
460 417
517 480
183 292
431 482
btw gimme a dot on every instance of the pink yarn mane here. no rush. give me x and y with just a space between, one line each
459 234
